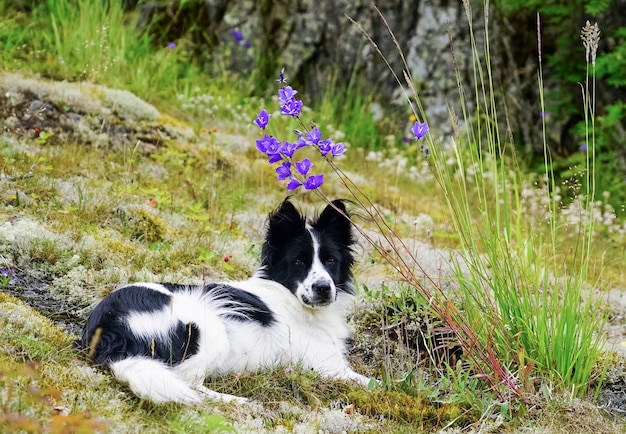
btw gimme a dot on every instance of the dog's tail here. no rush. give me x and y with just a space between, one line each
151 379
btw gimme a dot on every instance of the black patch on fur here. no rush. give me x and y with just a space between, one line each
248 307
107 338
177 287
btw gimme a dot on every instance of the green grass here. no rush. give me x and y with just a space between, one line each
534 316
94 41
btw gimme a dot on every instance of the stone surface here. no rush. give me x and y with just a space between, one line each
322 40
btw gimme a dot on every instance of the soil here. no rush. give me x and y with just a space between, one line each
35 293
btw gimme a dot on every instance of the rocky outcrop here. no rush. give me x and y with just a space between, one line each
322 40
316 42
61 112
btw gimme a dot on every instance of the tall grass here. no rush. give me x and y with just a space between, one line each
533 310
522 312
84 40
93 40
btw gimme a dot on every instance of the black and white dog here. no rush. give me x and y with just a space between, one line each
163 340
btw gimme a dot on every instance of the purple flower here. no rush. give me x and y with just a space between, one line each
293 184
274 157
285 94
583 147
292 107
313 182
283 171
419 130
268 144
296 173
262 119
171 45
338 149
301 141
542 115
288 149
303 166
273 146
4 272
237 36
314 136
325 146
281 77
246 44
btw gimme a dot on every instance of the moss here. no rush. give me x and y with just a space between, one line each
291 385
149 228
45 251
412 410
129 105
28 332
30 406
200 423
142 225
117 247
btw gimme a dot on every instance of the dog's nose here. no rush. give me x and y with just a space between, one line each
321 288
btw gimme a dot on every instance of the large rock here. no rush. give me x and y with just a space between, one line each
316 42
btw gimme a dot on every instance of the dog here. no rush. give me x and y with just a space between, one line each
163 340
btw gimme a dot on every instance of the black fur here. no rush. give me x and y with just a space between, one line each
249 305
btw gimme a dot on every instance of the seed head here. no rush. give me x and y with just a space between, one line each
590 34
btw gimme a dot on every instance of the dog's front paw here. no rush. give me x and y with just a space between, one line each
224 397
350 375
366 382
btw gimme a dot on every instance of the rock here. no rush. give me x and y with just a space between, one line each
85 113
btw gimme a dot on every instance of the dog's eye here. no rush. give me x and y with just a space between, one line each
298 262
330 261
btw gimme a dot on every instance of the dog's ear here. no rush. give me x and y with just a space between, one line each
336 210
336 219
285 221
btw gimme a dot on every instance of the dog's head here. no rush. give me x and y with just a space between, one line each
313 260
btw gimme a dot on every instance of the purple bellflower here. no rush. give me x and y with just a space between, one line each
237 36
314 136
262 119
419 130
283 171
313 182
296 173
293 184
303 167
